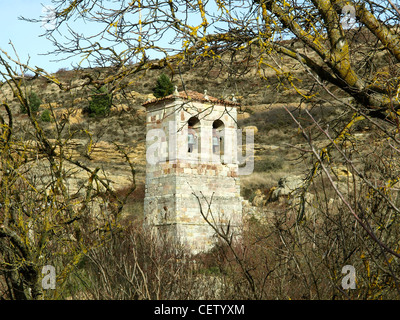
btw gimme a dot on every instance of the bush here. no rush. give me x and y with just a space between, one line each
164 86
34 103
268 164
100 102
45 117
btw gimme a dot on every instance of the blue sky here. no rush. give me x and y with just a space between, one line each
24 35
26 39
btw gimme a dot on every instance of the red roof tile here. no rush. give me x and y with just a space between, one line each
195 96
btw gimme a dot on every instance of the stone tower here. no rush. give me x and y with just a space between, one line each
191 151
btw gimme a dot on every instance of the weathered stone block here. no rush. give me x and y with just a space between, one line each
172 187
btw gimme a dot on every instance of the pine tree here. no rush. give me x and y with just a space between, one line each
164 86
34 103
100 102
45 116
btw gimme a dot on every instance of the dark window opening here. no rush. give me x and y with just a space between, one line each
193 134
218 137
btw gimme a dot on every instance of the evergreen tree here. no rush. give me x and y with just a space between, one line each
34 103
45 117
100 102
164 86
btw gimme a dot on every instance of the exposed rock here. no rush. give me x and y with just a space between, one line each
78 101
254 128
244 115
73 115
248 209
259 199
141 112
120 107
148 97
286 186
341 173
50 105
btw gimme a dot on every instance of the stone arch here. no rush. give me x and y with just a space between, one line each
218 128
193 134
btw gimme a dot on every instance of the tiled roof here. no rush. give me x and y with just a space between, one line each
194 96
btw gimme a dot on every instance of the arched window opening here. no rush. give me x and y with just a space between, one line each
193 134
218 137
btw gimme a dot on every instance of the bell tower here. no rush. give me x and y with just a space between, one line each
192 167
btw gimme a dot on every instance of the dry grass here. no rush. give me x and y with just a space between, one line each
259 180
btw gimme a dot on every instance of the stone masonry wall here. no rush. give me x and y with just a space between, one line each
173 182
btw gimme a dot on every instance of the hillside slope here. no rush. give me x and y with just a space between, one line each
94 141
